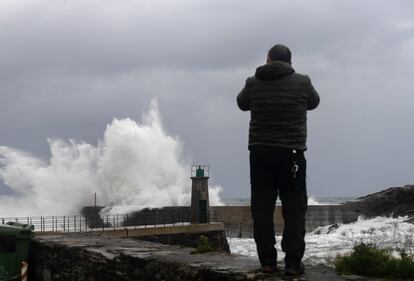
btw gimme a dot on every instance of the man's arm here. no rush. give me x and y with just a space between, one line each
313 98
243 100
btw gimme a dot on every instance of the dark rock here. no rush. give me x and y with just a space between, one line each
159 216
326 229
394 201
92 217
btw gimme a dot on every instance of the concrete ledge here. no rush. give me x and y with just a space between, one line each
183 235
131 231
162 230
94 257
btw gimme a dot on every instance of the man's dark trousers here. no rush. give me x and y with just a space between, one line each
272 173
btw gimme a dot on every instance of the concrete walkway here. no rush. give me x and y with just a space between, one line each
171 262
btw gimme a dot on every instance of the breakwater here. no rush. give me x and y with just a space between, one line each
238 221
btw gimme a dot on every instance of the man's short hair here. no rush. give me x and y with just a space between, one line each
281 53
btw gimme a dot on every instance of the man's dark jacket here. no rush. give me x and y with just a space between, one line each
278 99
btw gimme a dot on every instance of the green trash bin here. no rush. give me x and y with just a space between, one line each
14 249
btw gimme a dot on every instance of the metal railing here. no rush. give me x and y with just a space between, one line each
79 223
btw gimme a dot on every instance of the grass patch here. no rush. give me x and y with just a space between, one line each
203 246
369 260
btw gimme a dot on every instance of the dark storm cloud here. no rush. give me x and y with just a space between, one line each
68 67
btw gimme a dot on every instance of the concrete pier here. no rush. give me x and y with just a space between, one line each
238 221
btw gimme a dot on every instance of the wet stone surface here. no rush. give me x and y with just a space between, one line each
92 257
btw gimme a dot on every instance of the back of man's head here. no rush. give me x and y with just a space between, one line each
280 52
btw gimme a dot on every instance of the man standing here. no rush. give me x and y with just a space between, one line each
278 99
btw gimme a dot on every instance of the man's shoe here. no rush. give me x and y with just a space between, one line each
292 270
269 269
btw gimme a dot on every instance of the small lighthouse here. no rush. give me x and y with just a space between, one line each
200 206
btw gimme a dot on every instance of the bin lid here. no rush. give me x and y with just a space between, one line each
17 229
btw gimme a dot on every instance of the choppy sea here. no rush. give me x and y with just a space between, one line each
325 243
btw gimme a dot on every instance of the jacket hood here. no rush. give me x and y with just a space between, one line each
273 70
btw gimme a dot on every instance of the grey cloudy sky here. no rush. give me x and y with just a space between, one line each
67 68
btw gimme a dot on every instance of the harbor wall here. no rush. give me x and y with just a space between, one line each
238 221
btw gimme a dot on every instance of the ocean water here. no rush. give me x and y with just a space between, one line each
312 200
325 243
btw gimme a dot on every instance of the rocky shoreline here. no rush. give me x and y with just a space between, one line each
394 201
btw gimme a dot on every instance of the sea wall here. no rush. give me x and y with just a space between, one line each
238 220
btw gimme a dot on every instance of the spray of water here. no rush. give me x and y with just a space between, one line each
135 165
313 201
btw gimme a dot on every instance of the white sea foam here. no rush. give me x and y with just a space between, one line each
322 248
135 165
313 201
